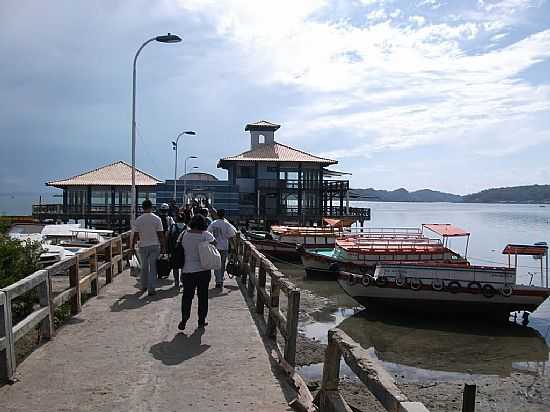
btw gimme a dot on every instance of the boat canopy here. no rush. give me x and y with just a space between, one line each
529 250
339 222
446 229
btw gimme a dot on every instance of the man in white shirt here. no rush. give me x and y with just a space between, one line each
148 230
222 231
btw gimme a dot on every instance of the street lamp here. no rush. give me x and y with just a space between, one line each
175 147
169 38
185 177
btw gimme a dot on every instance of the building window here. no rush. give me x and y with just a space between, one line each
272 169
245 171
248 198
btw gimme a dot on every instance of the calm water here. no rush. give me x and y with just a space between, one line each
416 349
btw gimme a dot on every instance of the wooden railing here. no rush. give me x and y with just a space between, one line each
253 271
110 253
369 370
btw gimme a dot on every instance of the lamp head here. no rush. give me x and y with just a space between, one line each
192 133
168 38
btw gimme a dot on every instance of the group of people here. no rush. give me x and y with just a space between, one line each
176 235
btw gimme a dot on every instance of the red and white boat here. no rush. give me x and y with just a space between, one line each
454 288
360 252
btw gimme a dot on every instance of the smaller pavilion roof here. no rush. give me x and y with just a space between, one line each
262 125
446 229
277 152
114 174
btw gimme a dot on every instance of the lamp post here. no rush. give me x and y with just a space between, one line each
175 147
169 38
185 177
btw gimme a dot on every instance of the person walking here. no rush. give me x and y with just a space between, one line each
194 276
150 234
222 231
167 224
174 233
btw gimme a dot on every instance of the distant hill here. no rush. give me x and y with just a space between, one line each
403 195
516 194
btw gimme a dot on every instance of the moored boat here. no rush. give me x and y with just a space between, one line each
444 288
282 241
362 251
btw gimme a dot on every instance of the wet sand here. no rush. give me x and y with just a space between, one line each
430 360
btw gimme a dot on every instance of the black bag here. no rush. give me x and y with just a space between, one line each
178 257
163 267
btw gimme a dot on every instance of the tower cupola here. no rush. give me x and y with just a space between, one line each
261 132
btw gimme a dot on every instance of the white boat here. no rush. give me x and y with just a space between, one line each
448 288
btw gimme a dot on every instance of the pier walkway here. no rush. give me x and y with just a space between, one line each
123 352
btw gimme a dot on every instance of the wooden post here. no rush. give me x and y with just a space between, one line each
74 282
274 297
243 264
108 253
46 325
469 398
331 366
251 274
292 325
93 268
120 254
260 286
7 354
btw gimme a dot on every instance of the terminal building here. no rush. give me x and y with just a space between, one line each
271 183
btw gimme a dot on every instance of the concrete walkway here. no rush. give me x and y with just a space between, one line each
125 353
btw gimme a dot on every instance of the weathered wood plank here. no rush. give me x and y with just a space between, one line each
87 253
279 319
45 299
7 355
260 289
331 401
24 285
29 323
3 343
292 326
74 282
62 266
64 297
87 279
369 370
331 365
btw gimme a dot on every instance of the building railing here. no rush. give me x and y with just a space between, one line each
59 210
368 369
104 258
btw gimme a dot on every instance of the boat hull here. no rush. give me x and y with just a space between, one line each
392 297
318 265
282 250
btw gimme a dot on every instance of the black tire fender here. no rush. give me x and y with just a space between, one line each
453 286
474 287
488 290
415 283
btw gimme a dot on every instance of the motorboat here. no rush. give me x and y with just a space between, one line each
449 288
282 241
360 252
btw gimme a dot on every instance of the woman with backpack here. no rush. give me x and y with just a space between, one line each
195 276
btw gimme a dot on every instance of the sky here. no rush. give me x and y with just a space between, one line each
448 95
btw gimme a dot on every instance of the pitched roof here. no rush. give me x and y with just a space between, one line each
261 125
115 174
277 152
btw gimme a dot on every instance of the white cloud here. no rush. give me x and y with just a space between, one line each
391 86
419 20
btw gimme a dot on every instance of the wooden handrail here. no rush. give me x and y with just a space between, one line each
368 369
112 252
254 269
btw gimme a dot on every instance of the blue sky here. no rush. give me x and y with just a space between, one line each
448 95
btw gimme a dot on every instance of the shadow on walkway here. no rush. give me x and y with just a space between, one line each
139 299
179 349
